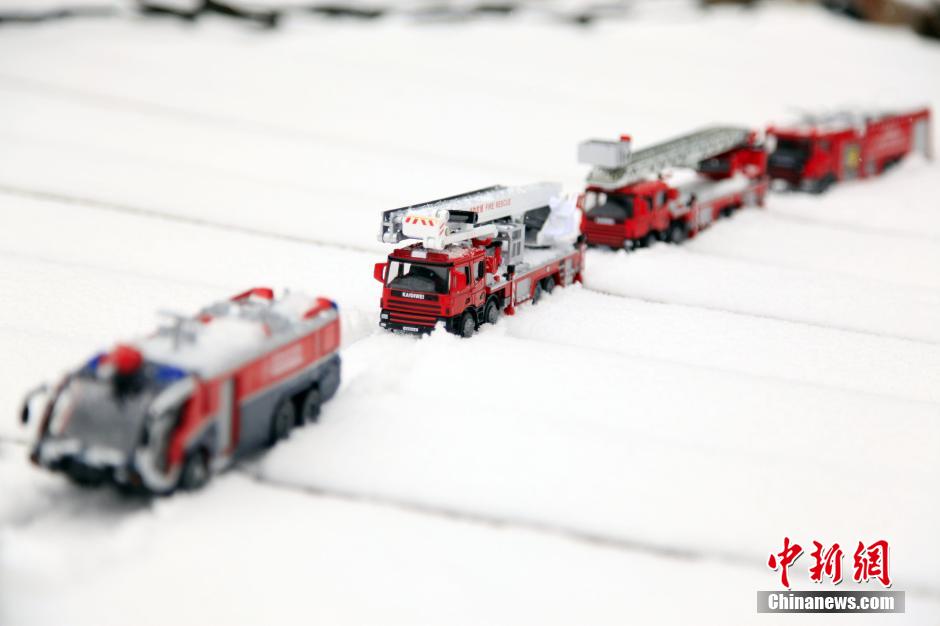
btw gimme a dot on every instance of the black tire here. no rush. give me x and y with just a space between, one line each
491 312
282 421
823 184
195 472
646 240
548 284
678 233
467 326
537 294
85 477
887 165
310 407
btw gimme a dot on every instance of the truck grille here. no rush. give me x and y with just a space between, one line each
412 312
790 175
604 234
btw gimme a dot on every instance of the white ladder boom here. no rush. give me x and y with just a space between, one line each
439 223
685 151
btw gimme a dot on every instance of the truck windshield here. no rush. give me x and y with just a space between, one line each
611 206
409 276
790 153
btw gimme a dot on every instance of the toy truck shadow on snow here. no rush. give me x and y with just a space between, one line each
477 255
169 410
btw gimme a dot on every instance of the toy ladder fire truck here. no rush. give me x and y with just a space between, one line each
168 410
669 191
478 255
820 150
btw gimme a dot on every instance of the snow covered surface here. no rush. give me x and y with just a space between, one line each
658 429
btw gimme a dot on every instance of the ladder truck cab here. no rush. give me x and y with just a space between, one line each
475 256
670 191
817 151
166 411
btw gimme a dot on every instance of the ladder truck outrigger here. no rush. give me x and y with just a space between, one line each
669 191
476 255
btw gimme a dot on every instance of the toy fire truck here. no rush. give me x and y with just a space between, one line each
819 151
669 191
477 255
167 411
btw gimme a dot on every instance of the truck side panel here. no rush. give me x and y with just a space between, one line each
258 387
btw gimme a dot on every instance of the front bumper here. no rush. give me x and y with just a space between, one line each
87 464
410 329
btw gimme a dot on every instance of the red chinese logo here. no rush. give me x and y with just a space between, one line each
789 554
870 562
827 564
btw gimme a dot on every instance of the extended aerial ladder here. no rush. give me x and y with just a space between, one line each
477 214
615 165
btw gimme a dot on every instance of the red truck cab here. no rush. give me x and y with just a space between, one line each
639 213
422 287
626 217
815 154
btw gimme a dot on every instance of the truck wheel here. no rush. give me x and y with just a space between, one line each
468 325
491 313
548 284
537 294
310 407
678 233
823 184
84 476
195 473
282 422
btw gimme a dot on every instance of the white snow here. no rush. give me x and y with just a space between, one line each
655 431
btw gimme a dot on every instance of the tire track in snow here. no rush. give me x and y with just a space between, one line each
497 521
570 533
9 82
774 318
119 271
354 320
838 226
727 370
118 207
798 268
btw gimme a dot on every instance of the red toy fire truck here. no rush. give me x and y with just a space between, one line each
669 191
819 151
478 254
168 410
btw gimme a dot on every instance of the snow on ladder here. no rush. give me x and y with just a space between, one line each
615 167
442 222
